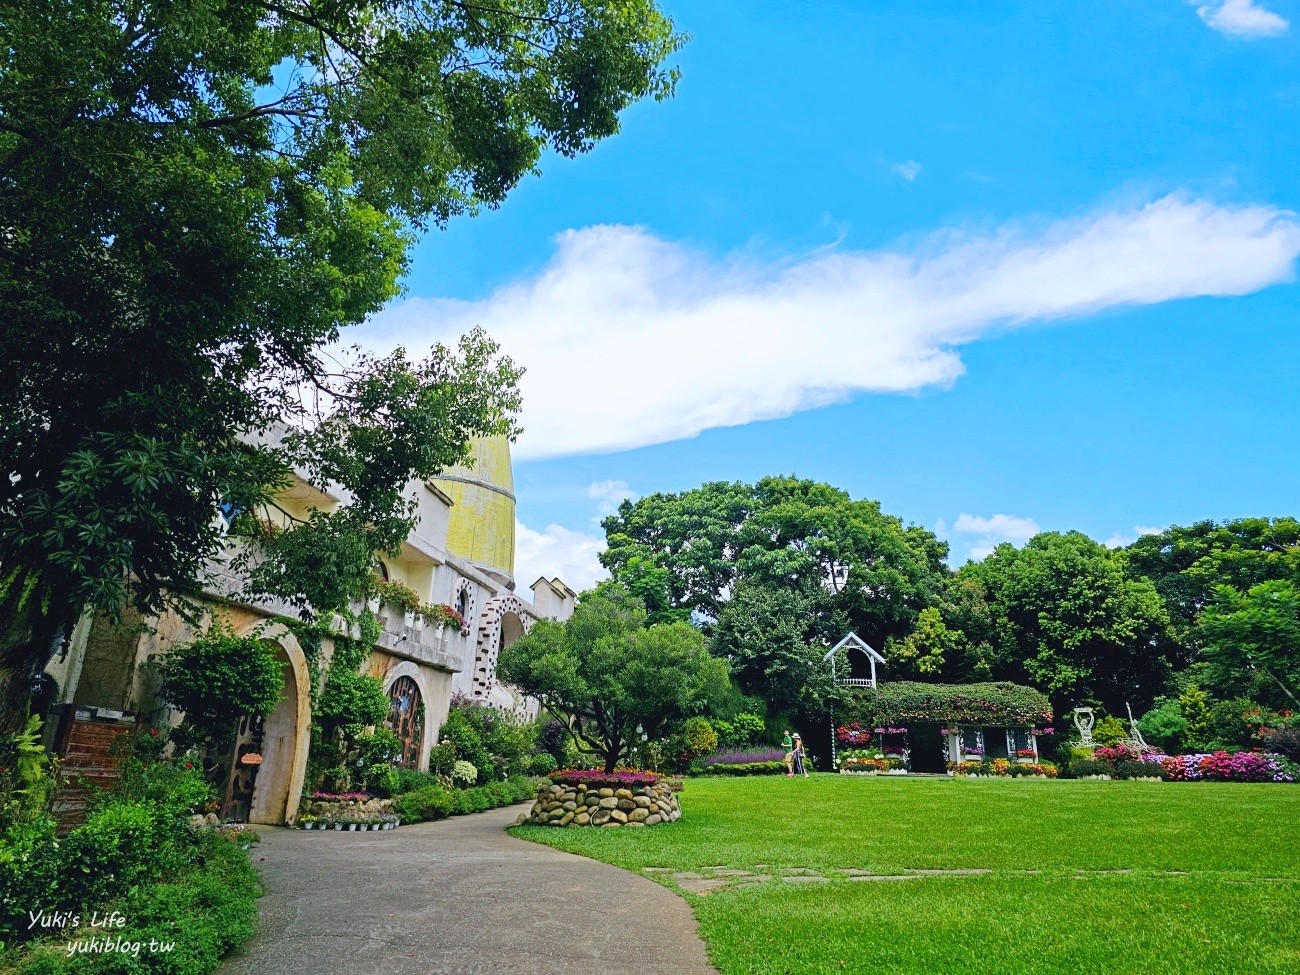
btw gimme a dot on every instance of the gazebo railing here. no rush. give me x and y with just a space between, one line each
857 682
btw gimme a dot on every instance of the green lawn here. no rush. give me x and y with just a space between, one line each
1211 881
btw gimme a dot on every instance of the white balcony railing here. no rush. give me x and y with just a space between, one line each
857 682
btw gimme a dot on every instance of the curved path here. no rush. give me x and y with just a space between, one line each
459 896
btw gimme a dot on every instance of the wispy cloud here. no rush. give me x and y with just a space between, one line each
558 551
992 531
608 495
630 339
908 170
1241 18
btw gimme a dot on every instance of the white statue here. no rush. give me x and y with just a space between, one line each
1084 719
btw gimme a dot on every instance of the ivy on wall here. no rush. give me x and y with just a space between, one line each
997 704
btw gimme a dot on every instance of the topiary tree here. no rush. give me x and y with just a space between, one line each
610 679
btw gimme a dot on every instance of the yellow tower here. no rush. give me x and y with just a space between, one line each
482 522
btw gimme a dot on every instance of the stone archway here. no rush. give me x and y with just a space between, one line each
504 620
286 738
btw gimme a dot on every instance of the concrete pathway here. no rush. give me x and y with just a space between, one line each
459 896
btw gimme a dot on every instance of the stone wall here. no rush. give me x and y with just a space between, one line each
582 805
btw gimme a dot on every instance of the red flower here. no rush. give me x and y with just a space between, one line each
153 732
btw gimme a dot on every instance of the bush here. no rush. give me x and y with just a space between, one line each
1110 731
204 913
1165 726
746 768
219 678
410 780
1079 768
430 802
543 763
699 737
1284 740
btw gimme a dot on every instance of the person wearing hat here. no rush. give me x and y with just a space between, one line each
799 756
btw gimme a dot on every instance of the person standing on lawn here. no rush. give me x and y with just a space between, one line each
788 745
799 756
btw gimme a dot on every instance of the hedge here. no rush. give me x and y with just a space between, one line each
437 802
745 768
996 704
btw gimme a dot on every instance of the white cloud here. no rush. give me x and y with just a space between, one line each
993 531
908 170
1242 18
632 340
608 495
1122 539
558 551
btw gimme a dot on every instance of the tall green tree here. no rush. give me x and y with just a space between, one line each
775 638
1069 617
1252 642
610 678
780 533
1188 563
196 200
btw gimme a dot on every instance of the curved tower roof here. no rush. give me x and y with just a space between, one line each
481 528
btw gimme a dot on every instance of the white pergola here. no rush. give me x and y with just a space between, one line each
855 642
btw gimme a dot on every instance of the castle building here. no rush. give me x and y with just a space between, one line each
461 554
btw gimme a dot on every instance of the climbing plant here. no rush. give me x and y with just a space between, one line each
219 678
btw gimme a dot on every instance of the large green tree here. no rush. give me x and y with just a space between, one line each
610 678
1068 616
1252 642
196 199
780 533
1188 563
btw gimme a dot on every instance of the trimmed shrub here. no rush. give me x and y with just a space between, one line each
746 768
543 763
430 802
1079 768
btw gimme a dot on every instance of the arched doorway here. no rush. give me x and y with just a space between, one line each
406 719
269 761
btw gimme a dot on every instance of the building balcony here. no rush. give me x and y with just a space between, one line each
857 682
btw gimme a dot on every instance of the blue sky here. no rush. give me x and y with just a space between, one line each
1000 266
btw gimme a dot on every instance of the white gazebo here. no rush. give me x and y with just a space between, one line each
855 642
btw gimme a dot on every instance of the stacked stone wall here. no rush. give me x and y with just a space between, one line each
583 805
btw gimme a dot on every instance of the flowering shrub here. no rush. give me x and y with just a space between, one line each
745 757
864 764
1001 767
1223 767
620 778
1123 753
464 773
440 614
853 734
341 796
1025 753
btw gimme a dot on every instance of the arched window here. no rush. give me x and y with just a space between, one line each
406 719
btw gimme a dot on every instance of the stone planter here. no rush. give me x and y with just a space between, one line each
581 805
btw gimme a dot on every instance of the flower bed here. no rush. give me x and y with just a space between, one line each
568 803
753 761
621 778
1001 767
859 761
1225 767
